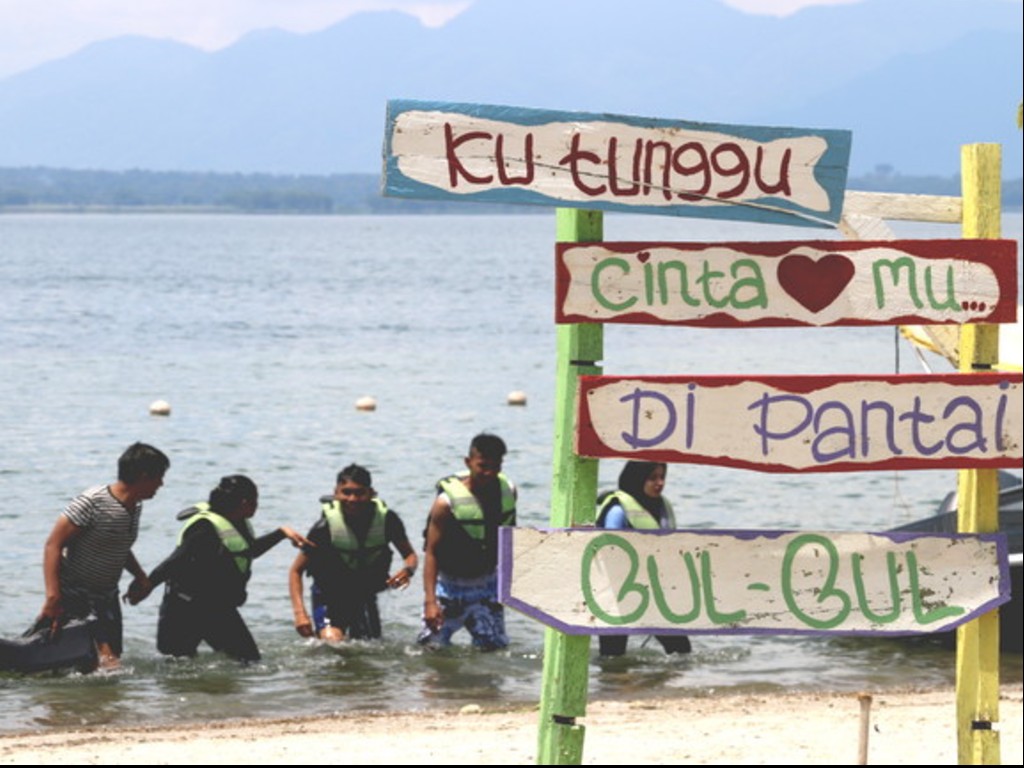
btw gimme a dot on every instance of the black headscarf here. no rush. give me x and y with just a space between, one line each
632 479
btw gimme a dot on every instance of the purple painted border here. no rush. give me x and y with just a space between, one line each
505 566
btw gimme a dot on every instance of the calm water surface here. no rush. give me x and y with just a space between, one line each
262 332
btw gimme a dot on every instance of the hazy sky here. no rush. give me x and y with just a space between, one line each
35 31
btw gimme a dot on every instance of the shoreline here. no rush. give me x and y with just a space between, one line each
906 727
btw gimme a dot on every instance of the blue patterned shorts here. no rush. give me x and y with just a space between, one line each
469 603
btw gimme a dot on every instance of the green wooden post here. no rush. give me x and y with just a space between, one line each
563 695
977 647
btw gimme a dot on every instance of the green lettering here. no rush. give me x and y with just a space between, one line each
754 284
937 613
595 284
628 586
684 282
894 267
705 279
827 591
894 589
659 594
951 302
709 595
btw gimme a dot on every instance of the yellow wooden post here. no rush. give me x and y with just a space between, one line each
977 651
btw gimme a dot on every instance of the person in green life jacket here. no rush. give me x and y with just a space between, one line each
638 504
350 561
460 555
207 574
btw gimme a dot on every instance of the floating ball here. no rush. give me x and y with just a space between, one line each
160 408
517 398
366 404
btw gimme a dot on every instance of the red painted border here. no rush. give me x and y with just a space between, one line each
588 444
999 255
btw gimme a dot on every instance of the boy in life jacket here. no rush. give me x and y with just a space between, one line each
350 561
460 581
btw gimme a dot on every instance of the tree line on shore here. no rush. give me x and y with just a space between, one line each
66 190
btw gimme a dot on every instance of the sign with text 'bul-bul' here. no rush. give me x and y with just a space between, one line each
593 581
611 162
815 283
806 423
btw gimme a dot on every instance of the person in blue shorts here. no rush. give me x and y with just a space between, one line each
460 582
350 561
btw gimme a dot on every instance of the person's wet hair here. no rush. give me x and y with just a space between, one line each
231 492
355 474
489 446
141 460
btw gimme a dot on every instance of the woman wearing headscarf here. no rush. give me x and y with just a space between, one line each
638 504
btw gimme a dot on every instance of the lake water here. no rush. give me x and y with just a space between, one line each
262 332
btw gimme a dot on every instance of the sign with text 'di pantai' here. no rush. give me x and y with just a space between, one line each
815 283
501 154
593 581
806 423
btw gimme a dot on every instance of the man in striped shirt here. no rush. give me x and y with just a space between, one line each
91 544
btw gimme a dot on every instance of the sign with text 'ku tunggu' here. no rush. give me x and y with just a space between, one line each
816 283
611 162
806 423
593 581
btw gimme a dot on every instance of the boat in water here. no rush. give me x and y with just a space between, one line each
1011 522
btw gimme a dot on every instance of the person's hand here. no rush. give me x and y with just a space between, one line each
138 590
433 615
303 626
297 539
51 614
401 579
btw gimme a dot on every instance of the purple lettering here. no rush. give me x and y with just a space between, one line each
916 419
845 432
972 427
765 402
637 398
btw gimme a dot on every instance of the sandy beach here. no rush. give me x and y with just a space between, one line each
906 728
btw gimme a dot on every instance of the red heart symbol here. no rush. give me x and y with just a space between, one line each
815 284
643 256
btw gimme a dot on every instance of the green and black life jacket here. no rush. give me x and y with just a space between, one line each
639 518
373 552
232 540
467 510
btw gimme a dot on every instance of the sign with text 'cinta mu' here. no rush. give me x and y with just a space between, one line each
592 581
815 283
612 162
806 423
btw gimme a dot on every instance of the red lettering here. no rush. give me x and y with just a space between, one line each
700 166
613 169
504 177
455 167
665 185
783 183
741 167
573 159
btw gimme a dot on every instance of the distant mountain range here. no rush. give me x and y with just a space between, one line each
913 80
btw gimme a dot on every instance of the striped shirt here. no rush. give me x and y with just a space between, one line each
94 559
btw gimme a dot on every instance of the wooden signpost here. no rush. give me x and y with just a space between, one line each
811 283
612 162
859 583
806 423
588 582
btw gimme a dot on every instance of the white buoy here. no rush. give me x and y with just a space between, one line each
160 408
366 404
517 398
